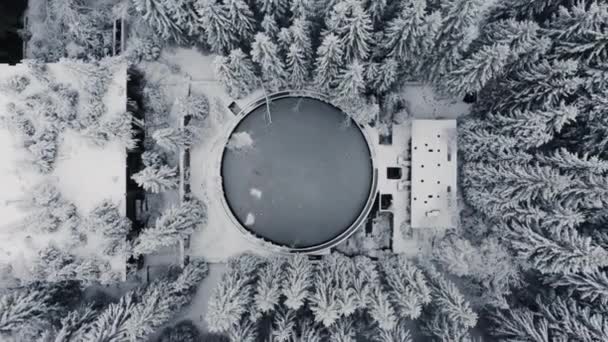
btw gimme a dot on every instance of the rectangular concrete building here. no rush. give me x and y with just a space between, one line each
434 174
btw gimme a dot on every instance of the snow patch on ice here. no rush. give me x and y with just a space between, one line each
257 193
240 141
250 220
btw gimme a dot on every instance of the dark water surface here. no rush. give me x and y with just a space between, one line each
314 173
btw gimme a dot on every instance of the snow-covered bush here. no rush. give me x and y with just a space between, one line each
107 220
17 84
119 128
49 210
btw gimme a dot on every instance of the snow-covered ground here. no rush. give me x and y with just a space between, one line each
85 175
424 103
219 238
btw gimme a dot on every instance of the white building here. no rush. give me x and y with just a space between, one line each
434 173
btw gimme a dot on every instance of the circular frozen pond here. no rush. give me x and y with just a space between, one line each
302 179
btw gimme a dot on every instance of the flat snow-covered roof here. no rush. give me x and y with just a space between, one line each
434 173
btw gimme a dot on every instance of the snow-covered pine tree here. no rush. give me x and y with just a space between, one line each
297 67
300 35
176 20
328 63
156 180
309 331
171 139
140 312
351 83
384 75
193 105
402 35
453 36
265 53
284 41
176 223
353 26
343 331
556 319
241 20
521 9
399 333
72 326
154 12
324 301
345 271
520 324
278 8
540 85
220 34
566 160
302 8
297 281
236 73
565 251
109 325
148 314
581 32
28 308
283 326
380 308
534 128
270 26
448 301
523 38
407 287
268 287
244 331
377 10
364 278
475 71
589 286
230 300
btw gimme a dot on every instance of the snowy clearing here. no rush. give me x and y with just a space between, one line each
85 175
